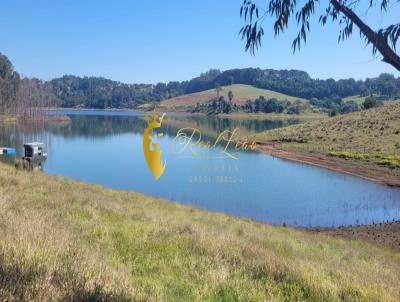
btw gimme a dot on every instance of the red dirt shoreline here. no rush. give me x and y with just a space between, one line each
383 234
363 170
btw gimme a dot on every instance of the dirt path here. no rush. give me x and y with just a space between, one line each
364 170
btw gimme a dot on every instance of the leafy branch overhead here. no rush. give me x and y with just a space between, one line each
345 12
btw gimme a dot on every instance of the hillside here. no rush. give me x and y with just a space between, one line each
355 98
99 93
370 136
360 99
241 93
63 240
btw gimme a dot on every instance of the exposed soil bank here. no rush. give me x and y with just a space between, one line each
364 170
386 234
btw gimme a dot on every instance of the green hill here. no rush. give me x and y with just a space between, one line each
241 93
360 99
370 135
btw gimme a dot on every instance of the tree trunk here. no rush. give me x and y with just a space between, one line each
389 56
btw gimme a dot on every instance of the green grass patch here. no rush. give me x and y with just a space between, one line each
390 161
371 135
65 240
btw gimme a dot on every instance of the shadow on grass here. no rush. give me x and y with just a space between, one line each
36 283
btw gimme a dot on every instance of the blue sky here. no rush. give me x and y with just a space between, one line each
152 41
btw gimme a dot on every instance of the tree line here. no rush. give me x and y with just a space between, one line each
219 105
95 92
332 106
297 83
23 95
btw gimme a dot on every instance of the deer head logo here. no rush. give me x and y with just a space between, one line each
150 149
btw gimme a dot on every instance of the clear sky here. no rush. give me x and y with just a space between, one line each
152 41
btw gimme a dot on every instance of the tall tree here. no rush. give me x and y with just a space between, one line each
218 89
346 12
9 81
230 96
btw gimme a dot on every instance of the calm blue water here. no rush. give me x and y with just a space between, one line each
106 148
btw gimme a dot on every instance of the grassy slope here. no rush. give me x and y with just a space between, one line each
61 239
360 99
356 98
371 135
241 93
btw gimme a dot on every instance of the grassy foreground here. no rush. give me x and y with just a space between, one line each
370 135
65 240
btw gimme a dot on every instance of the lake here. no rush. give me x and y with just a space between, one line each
105 148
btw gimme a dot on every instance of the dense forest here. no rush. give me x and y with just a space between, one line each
297 83
22 96
96 92
9 84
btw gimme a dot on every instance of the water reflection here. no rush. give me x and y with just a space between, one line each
106 149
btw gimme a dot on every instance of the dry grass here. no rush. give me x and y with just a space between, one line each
65 240
371 135
7 118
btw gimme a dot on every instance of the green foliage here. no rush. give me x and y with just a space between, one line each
230 96
9 83
370 102
97 92
92 92
294 109
370 136
215 106
345 12
260 105
390 161
350 106
218 89
335 105
297 83
333 112
268 106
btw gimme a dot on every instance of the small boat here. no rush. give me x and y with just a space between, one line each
8 151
